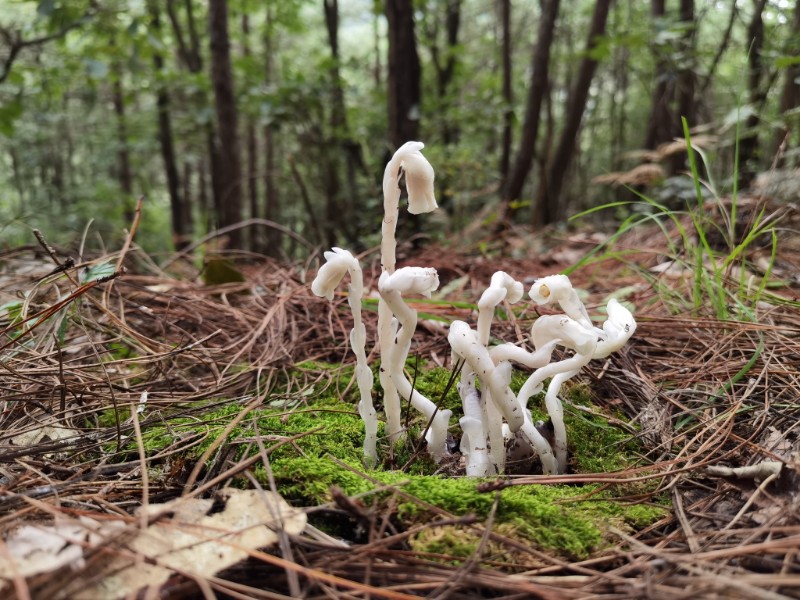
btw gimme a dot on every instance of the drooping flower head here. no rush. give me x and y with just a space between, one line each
338 262
419 181
558 289
410 280
618 328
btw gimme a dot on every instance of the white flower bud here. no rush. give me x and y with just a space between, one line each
558 289
331 273
409 280
419 183
619 328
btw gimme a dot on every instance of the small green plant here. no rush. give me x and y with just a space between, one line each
718 275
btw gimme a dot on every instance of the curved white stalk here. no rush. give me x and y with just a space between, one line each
618 329
419 184
556 411
501 287
570 334
542 447
558 289
473 446
464 342
412 280
502 356
566 332
338 263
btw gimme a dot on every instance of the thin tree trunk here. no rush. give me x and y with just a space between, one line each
271 197
659 129
404 93
179 226
748 144
790 95
536 93
618 102
202 193
723 46
377 68
508 93
446 68
192 58
123 152
252 153
337 218
187 203
18 177
548 204
685 83
225 103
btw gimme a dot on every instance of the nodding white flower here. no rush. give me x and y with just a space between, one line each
331 273
619 327
410 280
558 289
502 287
419 178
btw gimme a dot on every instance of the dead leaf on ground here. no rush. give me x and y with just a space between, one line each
187 536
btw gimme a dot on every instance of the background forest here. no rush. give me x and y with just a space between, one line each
286 110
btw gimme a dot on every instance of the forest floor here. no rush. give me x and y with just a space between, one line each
141 409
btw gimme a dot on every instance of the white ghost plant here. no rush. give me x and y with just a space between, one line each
494 409
330 274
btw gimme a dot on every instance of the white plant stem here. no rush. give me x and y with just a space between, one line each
391 210
419 183
502 287
338 263
412 280
494 379
464 342
556 411
364 377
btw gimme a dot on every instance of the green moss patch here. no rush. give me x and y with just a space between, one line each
571 521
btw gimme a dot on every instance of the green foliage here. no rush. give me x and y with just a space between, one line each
61 140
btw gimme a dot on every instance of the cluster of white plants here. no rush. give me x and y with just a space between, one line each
493 415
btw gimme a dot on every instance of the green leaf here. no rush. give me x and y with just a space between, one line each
98 271
11 309
9 113
783 62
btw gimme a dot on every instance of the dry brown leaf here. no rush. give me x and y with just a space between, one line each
195 542
188 536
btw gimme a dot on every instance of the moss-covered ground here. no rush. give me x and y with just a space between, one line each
571 521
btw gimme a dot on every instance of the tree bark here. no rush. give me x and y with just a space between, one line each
618 104
748 143
252 153
271 197
790 94
446 66
180 228
659 129
337 219
685 82
225 103
124 175
404 93
508 92
540 64
191 56
547 206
